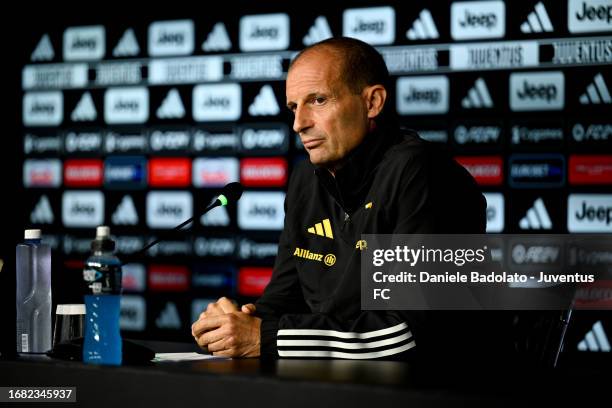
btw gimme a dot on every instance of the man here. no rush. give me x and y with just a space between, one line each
364 176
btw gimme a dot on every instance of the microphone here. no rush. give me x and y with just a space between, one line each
229 194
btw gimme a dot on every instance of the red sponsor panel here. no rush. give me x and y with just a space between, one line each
487 170
169 172
263 172
83 173
591 169
596 295
168 278
253 280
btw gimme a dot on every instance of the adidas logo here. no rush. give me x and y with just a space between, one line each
125 214
85 110
127 46
537 21
265 103
323 229
217 40
595 340
42 213
318 32
217 217
169 317
592 96
44 50
172 106
537 217
423 28
478 96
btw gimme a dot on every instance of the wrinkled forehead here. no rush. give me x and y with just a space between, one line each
316 68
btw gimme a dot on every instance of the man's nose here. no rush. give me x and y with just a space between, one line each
302 120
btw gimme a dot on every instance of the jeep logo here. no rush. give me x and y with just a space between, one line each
430 95
82 209
216 102
84 43
529 91
264 32
42 108
171 38
172 210
371 26
478 20
126 105
593 213
593 13
258 211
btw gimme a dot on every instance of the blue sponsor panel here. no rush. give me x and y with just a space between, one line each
536 171
125 172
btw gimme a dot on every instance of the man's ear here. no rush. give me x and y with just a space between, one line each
375 97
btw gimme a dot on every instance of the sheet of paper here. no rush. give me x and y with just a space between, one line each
161 357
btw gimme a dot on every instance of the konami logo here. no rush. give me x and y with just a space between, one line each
252 281
169 172
487 170
263 172
214 172
83 172
168 278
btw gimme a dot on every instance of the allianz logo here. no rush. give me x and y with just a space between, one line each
546 92
126 105
262 211
593 13
166 209
264 32
487 20
171 38
374 26
42 108
211 102
84 43
82 209
430 95
269 138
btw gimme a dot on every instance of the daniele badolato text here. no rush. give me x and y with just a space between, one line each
477 277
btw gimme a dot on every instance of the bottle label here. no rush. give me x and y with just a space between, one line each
25 346
103 279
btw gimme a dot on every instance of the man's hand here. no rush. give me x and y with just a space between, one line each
234 334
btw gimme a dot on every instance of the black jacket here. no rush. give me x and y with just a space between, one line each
391 183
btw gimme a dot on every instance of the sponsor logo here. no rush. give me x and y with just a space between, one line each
318 32
495 212
172 106
595 296
77 246
171 248
423 28
252 281
217 102
133 313
168 209
595 169
477 134
168 318
169 140
42 212
361 245
217 217
215 172
214 247
41 144
264 32
496 55
422 95
596 132
595 340
128 245
127 46
596 92
43 51
125 143
42 173
408 60
217 39
478 96
126 105
218 277
535 254
589 213
537 91
171 38
263 172
83 142
582 51
374 25
84 43
529 135
328 259
537 171
125 172
261 211
537 21
216 142
85 110
83 208
168 278
43 108
133 277
257 67
47 76
265 103
588 16
186 70
118 73
478 19
322 229
125 213
264 139
83 172
437 136
248 249
169 172
487 170
537 217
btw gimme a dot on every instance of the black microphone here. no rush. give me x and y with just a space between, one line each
229 194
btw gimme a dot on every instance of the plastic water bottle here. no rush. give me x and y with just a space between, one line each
102 272
33 260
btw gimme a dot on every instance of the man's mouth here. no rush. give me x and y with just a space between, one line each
312 143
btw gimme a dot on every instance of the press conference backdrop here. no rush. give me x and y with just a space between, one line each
137 124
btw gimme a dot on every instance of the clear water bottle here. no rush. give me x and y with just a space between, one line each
33 260
102 273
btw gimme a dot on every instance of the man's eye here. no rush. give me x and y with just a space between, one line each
319 100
